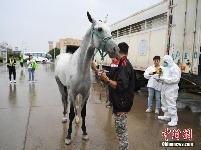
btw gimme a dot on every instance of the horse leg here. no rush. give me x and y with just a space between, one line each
77 119
71 117
83 115
64 96
65 102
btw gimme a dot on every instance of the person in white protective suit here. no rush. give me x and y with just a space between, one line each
170 79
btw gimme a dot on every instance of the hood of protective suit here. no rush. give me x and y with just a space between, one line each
168 59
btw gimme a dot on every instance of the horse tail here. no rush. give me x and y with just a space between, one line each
62 89
57 59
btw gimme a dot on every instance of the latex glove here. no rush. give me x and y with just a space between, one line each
155 77
162 77
160 80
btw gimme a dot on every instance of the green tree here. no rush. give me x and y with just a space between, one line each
57 52
1 59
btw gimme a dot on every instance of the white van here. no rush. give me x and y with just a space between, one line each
38 56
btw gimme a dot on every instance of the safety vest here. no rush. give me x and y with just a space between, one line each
11 62
21 60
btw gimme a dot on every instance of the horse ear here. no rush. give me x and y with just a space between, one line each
105 19
92 20
89 17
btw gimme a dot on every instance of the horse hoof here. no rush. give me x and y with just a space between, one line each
68 141
64 120
77 120
85 137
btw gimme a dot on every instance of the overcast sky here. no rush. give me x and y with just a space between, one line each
35 22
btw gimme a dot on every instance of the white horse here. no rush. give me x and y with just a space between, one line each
73 73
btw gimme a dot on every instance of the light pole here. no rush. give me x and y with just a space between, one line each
22 46
5 43
9 49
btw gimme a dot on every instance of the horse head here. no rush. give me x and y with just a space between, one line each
101 37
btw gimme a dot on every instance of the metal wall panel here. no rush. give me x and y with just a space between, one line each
177 31
189 36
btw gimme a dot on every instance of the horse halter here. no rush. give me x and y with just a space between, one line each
104 41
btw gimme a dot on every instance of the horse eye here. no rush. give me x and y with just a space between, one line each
100 29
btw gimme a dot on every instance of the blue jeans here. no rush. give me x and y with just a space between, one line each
152 91
31 74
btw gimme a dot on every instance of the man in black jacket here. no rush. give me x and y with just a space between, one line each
11 67
123 94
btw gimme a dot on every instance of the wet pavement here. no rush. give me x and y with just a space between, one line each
31 117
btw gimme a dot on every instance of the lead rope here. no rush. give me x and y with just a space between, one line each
104 40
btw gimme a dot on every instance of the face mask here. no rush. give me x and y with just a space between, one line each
165 64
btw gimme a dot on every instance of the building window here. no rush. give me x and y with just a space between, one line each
114 34
154 22
124 31
137 27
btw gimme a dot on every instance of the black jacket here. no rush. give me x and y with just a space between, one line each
112 70
124 92
10 64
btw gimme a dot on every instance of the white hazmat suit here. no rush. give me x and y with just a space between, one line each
170 78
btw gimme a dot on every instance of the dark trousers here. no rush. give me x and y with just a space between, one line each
110 94
21 64
12 71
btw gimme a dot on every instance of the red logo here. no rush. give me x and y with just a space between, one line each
176 134
188 134
165 134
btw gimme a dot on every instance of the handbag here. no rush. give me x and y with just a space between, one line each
35 66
